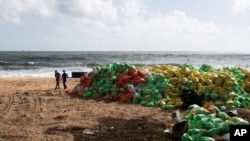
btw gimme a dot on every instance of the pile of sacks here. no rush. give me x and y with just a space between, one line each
169 86
228 86
206 123
124 83
164 85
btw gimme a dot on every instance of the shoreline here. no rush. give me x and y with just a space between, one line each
14 84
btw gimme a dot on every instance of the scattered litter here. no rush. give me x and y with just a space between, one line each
233 113
226 137
223 107
88 131
179 129
111 128
167 130
176 116
175 86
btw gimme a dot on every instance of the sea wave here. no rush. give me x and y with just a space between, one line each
41 71
44 63
4 63
15 67
32 63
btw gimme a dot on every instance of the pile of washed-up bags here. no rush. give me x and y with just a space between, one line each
163 85
208 123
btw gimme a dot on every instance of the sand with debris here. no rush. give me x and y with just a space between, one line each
31 110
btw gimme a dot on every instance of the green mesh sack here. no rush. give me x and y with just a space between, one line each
199 116
196 131
225 126
186 137
205 67
148 103
208 125
213 131
87 94
193 106
205 138
239 121
137 99
216 121
166 107
222 115
202 111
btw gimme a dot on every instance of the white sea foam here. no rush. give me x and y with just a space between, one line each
47 72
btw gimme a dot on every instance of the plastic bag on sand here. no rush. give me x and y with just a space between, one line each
226 137
176 116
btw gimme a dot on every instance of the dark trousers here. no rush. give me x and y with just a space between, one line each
57 85
64 84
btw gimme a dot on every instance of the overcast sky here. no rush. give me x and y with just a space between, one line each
125 25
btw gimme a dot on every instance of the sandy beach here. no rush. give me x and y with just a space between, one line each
31 110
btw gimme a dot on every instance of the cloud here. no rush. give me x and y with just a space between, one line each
172 25
241 6
10 11
132 21
128 20
87 11
133 9
41 8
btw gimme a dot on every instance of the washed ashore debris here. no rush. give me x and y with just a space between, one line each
167 86
200 90
239 112
203 123
190 97
88 131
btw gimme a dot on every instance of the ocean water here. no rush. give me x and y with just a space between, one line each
43 64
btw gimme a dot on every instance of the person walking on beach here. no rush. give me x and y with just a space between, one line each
64 78
57 76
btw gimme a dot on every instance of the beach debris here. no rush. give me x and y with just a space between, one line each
167 86
167 130
190 97
111 128
176 115
88 131
226 137
243 113
201 90
233 113
223 107
179 129
204 122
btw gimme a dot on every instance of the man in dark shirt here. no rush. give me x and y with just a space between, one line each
64 77
57 76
